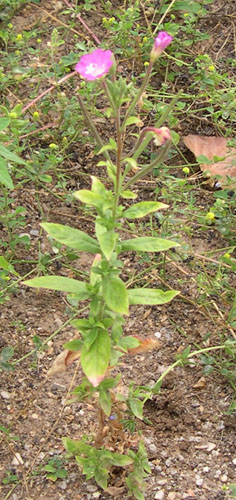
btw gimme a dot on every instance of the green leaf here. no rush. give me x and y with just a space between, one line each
204 159
121 460
95 361
88 197
5 178
143 208
136 407
148 244
101 477
97 186
59 283
73 345
105 401
10 156
6 354
115 294
107 240
150 296
73 238
132 120
4 122
75 446
128 195
4 264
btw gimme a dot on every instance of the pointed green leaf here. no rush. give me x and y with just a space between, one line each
5 178
73 345
4 264
128 195
105 401
116 295
121 460
59 283
97 186
95 360
73 238
4 122
107 240
148 244
10 156
136 407
150 296
132 120
143 208
75 446
101 476
88 197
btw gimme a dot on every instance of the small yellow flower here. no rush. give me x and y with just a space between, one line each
19 37
186 170
146 63
211 67
186 14
17 52
35 115
226 255
12 114
210 216
10 26
39 40
53 145
145 39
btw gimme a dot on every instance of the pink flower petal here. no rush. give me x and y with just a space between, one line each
95 65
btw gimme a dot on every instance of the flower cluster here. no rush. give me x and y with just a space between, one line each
98 63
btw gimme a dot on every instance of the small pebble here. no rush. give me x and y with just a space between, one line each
205 469
34 232
199 481
159 495
234 461
5 395
62 485
224 478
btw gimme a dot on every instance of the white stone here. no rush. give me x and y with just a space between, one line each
5 395
17 460
159 495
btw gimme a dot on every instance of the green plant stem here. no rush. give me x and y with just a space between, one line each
143 171
168 109
156 386
92 127
118 162
138 96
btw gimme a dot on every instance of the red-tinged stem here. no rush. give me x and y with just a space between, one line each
50 125
31 103
84 24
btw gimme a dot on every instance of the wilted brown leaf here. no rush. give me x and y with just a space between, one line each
145 345
210 147
62 361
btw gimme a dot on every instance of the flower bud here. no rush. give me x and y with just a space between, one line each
162 135
160 43
186 170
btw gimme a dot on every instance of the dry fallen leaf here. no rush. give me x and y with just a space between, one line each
145 345
210 147
62 361
200 384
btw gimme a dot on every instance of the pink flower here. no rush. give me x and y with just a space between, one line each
161 42
162 135
95 65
